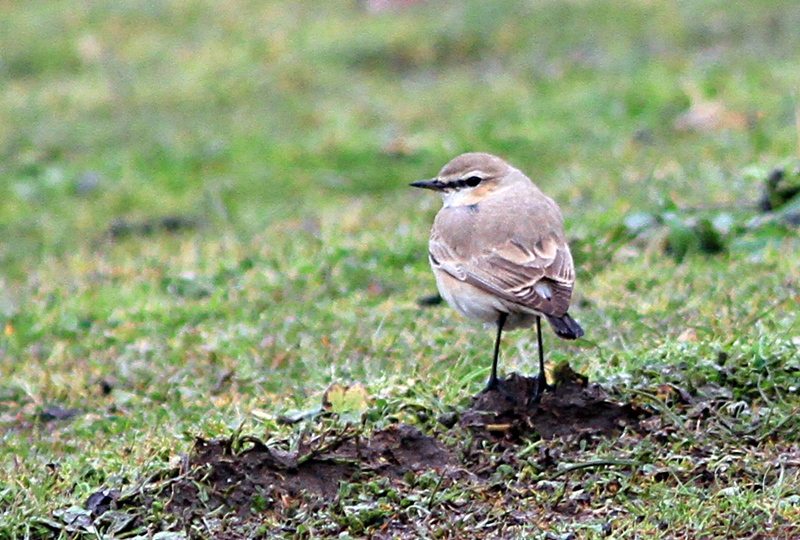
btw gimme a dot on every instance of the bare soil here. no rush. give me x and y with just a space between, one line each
573 407
243 487
245 477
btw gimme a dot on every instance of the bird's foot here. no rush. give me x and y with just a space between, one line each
495 385
541 388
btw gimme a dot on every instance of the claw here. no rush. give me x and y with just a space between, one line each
541 388
494 386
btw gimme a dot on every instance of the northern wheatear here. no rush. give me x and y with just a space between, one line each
499 253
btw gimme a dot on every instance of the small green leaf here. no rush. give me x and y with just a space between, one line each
348 401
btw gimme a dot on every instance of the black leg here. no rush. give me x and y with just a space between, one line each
501 321
541 348
541 379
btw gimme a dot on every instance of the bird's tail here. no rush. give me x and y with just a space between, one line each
565 327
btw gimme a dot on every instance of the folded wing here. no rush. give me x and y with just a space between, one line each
538 277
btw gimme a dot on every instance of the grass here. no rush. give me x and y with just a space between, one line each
282 136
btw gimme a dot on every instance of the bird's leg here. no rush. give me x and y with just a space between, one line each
541 379
493 380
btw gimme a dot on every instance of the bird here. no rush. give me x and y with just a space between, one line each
499 253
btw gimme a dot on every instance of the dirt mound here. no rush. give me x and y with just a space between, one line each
235 479
260 473
573 407
274 488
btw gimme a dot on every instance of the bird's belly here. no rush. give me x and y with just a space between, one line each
474 303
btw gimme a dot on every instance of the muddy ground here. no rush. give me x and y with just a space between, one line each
349 479
323 462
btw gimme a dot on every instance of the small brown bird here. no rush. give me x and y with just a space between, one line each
499 253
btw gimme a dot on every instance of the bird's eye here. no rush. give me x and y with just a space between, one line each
473 181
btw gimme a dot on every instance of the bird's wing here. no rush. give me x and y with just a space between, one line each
538 277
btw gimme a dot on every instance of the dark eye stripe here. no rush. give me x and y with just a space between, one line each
472 181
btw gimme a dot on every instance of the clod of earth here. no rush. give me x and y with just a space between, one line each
233 480
246 478
574 407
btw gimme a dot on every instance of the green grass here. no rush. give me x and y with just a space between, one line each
287 132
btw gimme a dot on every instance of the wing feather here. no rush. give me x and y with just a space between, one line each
538 278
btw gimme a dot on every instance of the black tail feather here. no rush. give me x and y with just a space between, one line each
565 327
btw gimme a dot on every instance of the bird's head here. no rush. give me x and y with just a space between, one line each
470 178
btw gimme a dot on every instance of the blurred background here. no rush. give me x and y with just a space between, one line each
116 117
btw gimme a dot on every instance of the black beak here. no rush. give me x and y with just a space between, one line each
434 184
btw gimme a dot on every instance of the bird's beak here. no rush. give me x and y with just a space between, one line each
434 184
